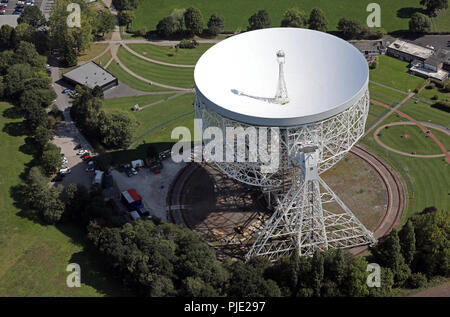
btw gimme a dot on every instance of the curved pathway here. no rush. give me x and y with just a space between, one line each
153 60
421 126
377 139
114 50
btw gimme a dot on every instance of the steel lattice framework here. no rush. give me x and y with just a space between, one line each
301 220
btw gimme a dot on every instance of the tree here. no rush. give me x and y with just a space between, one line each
43 198
349 29
6 32
408 242
317 271
35 116
22 32
434 5
294 18
116 129
419 23
126 17
41 137
259 20
356 280
97 92
193 20
26 53
33 16
178 19
432 255
285 273
317 20
105 22
51 159
166 27
15 79
215 24
388 253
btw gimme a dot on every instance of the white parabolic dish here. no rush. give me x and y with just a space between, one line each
324 76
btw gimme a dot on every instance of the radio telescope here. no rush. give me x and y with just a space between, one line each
313 87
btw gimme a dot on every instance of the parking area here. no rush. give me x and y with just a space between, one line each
44 5
66 139
152 188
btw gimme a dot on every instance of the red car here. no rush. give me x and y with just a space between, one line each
87 157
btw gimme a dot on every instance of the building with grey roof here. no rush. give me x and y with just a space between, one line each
91 75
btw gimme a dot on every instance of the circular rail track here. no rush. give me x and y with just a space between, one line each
396 194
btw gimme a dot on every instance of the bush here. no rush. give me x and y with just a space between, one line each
417 280
435 97
188 43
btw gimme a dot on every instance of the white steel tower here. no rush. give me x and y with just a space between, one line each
281 95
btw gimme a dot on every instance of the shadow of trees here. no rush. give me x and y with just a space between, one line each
406 13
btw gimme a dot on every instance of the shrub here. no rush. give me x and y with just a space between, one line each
417 280
188 43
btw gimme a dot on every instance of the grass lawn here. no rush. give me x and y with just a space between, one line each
169 55
154 124
104 59
173 76
385 95
34 257
428 180
392 72
394 14
416 140
131 81
153 116
424 112
435 91
92 52
441 23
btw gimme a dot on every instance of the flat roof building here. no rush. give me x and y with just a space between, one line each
91 75
409 51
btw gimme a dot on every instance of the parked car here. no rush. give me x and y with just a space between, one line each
129 173
125 165
3 5
65 170
91 163
90 169
2 11
5 1
133 170
17 12
86 158
83 152
65 90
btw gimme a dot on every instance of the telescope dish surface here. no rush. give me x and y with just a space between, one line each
238 77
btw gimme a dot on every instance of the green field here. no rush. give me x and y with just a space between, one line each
441 23
435 91
34 256
394 14
151 117
170 55
104 59
173 76
392 72
131 81
416 140
427 180
424 112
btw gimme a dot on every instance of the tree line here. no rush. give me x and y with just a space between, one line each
111 130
